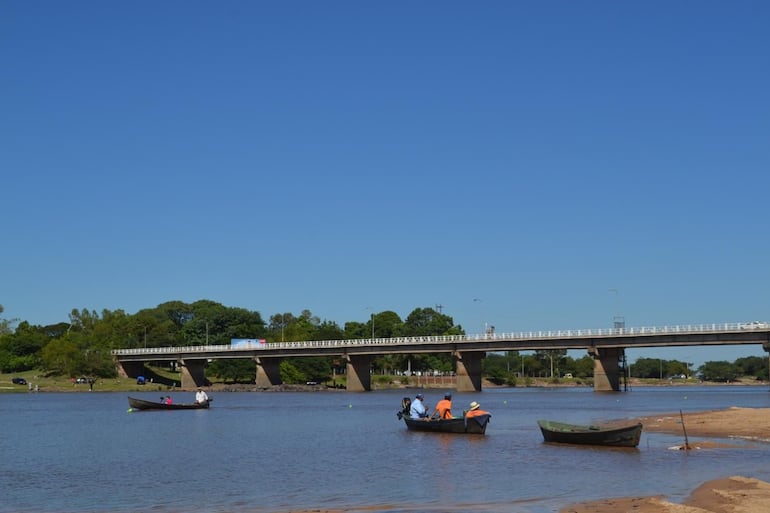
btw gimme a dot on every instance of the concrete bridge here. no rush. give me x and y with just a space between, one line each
607 346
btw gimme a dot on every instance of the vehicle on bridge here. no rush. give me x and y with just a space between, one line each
755 325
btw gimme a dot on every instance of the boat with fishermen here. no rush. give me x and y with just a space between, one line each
471 425
141 404
611 435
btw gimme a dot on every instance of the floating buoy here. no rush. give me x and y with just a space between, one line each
130 410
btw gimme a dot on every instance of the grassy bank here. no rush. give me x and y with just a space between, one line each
38 381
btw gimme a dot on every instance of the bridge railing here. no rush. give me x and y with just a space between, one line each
454 339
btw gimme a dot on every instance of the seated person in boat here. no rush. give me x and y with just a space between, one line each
443 408
168 400
475 410
201 397
418 410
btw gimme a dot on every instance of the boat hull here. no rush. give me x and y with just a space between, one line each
470 426
612 435
141 404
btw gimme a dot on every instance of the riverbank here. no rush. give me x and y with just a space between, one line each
734 494
36 381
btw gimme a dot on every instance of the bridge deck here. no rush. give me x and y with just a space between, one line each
667 336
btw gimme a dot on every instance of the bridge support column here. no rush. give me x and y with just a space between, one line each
468 365
193 373
766 347
129 369
268 372
607 368
359 374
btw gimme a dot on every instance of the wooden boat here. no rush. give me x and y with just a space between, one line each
462 425
467 425
614 435
141 404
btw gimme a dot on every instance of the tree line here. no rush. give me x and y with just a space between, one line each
83 346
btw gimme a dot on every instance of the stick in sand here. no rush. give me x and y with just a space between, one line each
686 442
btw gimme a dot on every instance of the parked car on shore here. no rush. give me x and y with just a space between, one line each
19 381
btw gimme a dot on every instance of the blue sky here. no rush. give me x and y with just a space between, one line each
563 162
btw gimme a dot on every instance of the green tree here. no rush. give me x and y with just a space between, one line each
236 370
584 367
286 327
428 322
63 357
20 350
648 368
387 324
532 365
553 358
290 373
6 325
278 328
313 368
719 371
328 330
753 366
500 368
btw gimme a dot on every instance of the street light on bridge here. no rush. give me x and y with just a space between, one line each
619 322
481 315
371 318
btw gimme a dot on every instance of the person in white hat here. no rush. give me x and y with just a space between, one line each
476 410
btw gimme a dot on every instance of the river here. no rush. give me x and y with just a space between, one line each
286 451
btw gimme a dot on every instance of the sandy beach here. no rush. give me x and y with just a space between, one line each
733 494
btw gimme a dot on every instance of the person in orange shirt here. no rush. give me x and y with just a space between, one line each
476 410
444 408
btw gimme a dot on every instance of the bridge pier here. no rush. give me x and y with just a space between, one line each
193 373
358 371
607 368
268 372
468 364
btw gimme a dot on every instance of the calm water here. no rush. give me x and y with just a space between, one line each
277 452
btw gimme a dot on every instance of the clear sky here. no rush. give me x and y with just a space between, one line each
560 162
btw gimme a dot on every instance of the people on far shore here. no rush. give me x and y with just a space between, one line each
201 396
475 410
444 408
418 410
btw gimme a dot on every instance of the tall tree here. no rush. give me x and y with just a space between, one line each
554 357
6 324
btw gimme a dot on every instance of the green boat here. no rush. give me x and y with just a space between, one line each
141 404
612 435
